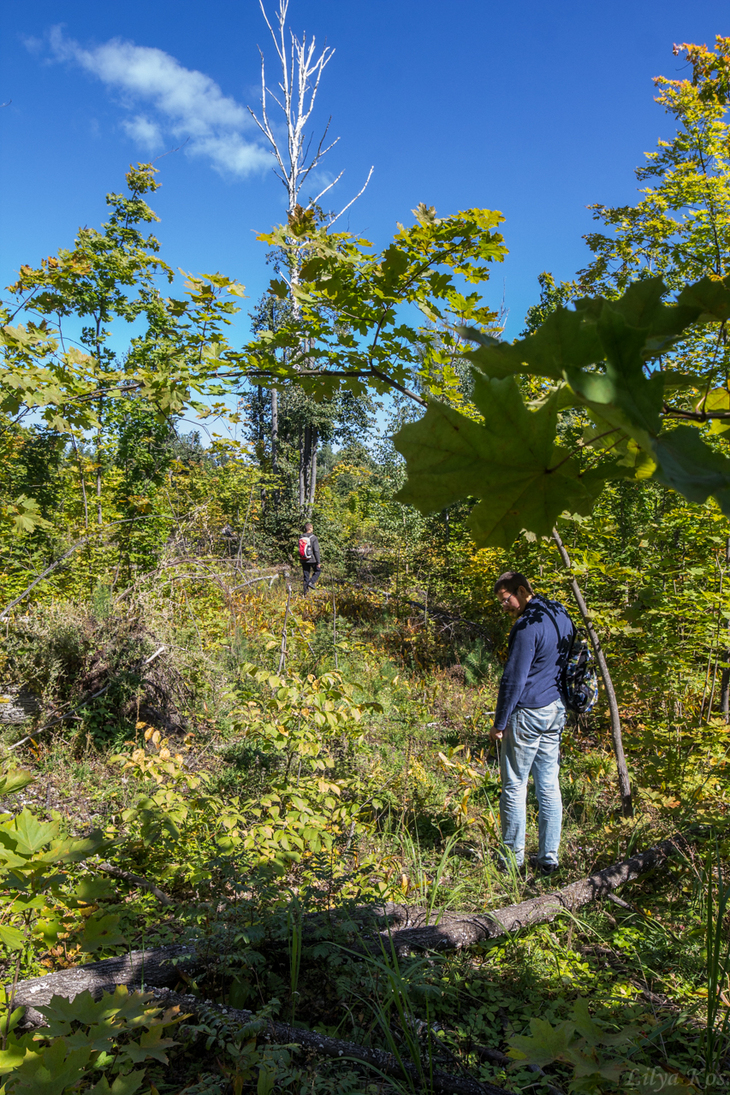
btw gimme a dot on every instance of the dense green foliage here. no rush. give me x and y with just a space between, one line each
210 759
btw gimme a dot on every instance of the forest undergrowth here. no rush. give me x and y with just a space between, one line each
259 759
290 795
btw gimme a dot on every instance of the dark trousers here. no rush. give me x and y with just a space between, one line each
310 574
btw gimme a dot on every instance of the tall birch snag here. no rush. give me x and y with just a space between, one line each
301 70
616 736
274 430
725 679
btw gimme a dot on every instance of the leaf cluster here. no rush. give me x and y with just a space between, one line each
604 358
351 325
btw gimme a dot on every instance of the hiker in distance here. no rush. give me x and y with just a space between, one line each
310 557
530 717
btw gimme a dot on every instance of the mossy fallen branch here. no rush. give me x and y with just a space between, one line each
443 1083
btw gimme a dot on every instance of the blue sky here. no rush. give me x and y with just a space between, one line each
534 109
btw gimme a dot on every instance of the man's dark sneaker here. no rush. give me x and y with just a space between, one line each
543 868
548 868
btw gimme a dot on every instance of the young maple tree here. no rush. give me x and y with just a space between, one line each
63 363
355 327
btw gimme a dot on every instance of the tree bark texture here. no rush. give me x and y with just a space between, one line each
307 468
302 447
312 469
274 429
82 481
17 705
138 969
624 782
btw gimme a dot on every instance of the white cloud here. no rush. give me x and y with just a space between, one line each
187 105
144 131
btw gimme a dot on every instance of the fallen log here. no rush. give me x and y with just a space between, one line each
445 1083
407 929
139 969
412 928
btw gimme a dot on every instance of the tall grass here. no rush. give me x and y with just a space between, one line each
717 956
294 933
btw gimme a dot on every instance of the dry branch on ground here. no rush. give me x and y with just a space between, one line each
444 1083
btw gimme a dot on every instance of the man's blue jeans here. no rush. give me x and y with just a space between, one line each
531 744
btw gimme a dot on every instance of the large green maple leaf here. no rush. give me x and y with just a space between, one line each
566 339
510 461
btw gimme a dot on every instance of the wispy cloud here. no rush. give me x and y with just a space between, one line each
178 103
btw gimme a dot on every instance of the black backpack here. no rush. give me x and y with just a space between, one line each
579 683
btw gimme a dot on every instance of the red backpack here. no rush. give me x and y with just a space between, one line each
305 548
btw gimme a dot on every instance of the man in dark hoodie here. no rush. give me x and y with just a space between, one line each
530 716
310 557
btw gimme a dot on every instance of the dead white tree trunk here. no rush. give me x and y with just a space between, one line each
301 72
301 69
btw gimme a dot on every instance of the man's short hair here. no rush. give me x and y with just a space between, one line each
511 580
308 527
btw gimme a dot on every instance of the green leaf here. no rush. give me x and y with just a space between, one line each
32 834
592 1064
125 1084
100 931
12 938
511 462
16 1050
151 1044
15 780
75 851
641 306
584 1024
60 1013
690 466
133 1008
546 1045
717 400
51 1071
8 858
709 297
49 929
279 288
90 890
625 385
565 340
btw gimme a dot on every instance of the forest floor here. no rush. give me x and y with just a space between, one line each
357 769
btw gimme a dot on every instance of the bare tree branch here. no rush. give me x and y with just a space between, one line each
301 74
358 195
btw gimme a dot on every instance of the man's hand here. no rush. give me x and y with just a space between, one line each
495 734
